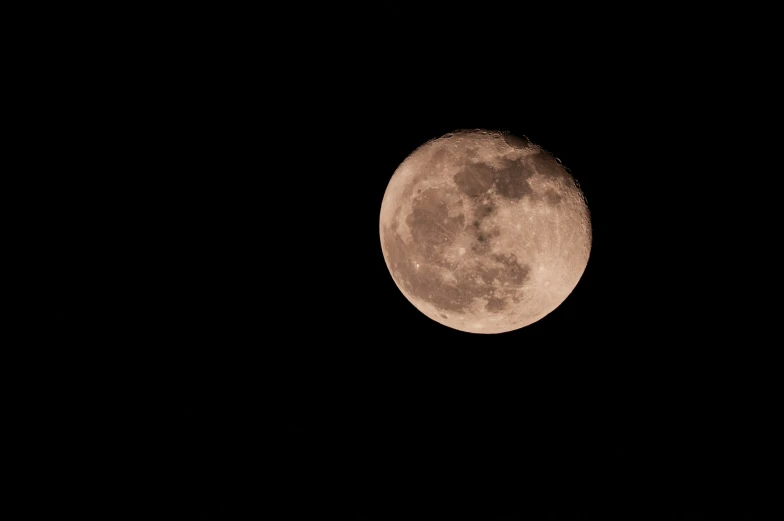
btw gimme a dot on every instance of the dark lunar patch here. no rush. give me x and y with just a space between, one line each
480 247
512 180
437 160
488 275
495 304
475 180
552 197
426 284
513 273
431 288
517 141
505 258
419 176
483 210
396 253
430 224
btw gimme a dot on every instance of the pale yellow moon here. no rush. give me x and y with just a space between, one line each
484 232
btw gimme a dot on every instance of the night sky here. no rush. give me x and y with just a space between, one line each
243 352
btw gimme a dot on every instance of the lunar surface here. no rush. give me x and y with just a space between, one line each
484 232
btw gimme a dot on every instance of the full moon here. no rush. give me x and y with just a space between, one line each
483 231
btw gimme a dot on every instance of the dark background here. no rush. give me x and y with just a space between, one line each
236 347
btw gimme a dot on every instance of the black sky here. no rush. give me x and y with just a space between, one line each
245 353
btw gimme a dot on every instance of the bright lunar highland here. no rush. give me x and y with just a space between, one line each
484 232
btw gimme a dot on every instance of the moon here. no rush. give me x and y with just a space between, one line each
483 231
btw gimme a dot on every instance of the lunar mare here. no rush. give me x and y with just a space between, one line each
484 232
